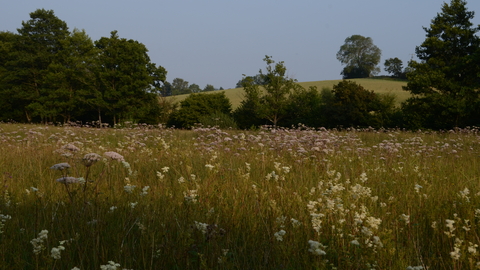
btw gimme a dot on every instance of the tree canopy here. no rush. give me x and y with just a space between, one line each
445 81
360 56
51 74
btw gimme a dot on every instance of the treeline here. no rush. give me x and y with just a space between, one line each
280 101
49 74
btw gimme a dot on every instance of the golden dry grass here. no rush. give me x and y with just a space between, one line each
382 86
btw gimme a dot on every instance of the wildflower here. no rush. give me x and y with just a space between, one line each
68 180
455 254
114 156
279 235
133 204
209 166
71 147
374 222
113 208
110 266
472 248
295 223
90 159
190 196
450 224
160 175
3 218
55 252
405 218
38 242
144 190
60 166
316 248
165 169
419 267
181 180
129 188
355 242
417 188
126 165
201 227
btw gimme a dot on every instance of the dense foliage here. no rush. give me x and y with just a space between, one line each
196 106
360 57
445 82
50 74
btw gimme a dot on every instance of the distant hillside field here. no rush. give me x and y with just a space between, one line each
236 95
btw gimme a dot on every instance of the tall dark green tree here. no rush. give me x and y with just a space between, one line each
394 66
360 56
40 40
71 78
125 76
445 82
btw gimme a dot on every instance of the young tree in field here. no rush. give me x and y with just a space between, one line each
125 76
394 66
360 56
445 82
273 100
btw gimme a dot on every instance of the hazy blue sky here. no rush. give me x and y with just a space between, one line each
216 41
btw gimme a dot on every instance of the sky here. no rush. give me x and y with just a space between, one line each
217 41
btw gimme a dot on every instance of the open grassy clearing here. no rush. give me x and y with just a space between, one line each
213 199
378 85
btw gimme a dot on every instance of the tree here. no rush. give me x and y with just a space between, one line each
194 88
208 88
394 66
445 82
71 78
258 79
180 87
353 105
38 44
125 76
360 56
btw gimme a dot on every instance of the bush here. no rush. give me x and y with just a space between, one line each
353 106
196 106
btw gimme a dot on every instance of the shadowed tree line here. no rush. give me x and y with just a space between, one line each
50 74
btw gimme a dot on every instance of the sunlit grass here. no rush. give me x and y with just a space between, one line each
214 199
380 86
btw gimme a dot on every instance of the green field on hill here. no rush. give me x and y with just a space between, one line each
381 86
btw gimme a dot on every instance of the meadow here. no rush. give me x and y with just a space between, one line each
381 86
144 197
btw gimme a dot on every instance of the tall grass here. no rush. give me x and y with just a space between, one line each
215 199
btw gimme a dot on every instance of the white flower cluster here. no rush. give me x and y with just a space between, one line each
55 252
110 266
114 156
60 166
279 235
191 196
129 188
38 242
316 248
201 227
3 219
144 190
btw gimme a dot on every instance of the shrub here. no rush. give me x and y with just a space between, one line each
197 105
